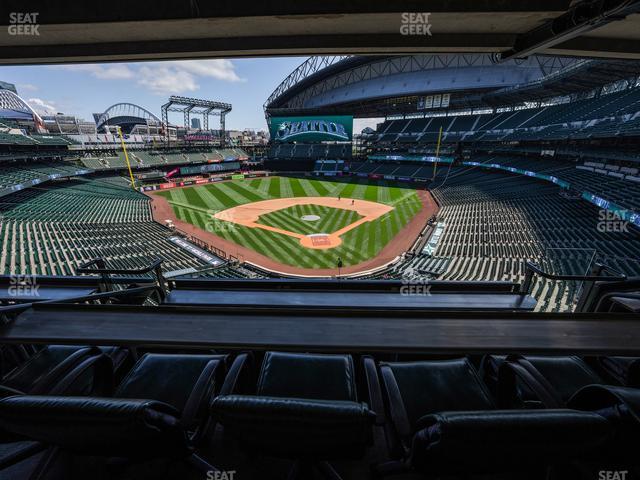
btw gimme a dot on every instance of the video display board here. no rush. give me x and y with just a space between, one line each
334 128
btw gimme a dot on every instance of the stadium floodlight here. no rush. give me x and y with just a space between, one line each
187 106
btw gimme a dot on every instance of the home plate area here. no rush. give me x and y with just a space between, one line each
319 239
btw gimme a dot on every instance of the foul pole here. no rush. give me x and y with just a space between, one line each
126 158
435 165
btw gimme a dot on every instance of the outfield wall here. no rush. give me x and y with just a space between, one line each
201 181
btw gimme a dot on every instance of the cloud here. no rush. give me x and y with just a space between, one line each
27 86
166 80
43 107
175 77
115 71
163 78
218 69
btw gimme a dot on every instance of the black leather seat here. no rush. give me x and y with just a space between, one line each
14 355
446 422
621 370
58 370
621 407
415 389
160 409
55 369
541 381
305 408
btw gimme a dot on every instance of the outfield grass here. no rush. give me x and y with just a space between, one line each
196 205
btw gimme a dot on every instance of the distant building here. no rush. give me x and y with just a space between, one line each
195 123
248 137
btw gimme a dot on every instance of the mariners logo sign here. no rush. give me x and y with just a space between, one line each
312 129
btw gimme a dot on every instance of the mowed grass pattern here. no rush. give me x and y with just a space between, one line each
290 219
196 205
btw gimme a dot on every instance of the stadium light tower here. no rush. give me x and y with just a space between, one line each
187 106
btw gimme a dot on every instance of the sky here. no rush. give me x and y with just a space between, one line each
85 89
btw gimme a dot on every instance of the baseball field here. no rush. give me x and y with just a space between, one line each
299 222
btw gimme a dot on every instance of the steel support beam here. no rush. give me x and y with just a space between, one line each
581 18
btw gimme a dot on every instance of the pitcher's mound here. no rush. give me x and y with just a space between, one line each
310 218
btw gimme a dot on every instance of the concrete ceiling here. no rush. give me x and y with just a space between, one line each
118 30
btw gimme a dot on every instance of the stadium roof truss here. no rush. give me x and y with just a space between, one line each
129 111
187 106
309 67
583 76
319 75
12 101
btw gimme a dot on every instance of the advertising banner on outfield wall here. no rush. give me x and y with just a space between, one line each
209 167
336 128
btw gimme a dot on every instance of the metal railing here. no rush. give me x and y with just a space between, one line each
532 269
93 297
105 273
210 248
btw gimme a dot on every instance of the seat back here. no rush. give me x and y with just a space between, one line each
543 381
621 407
313 376
168 378
415 389
622 370
306 407
40 373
